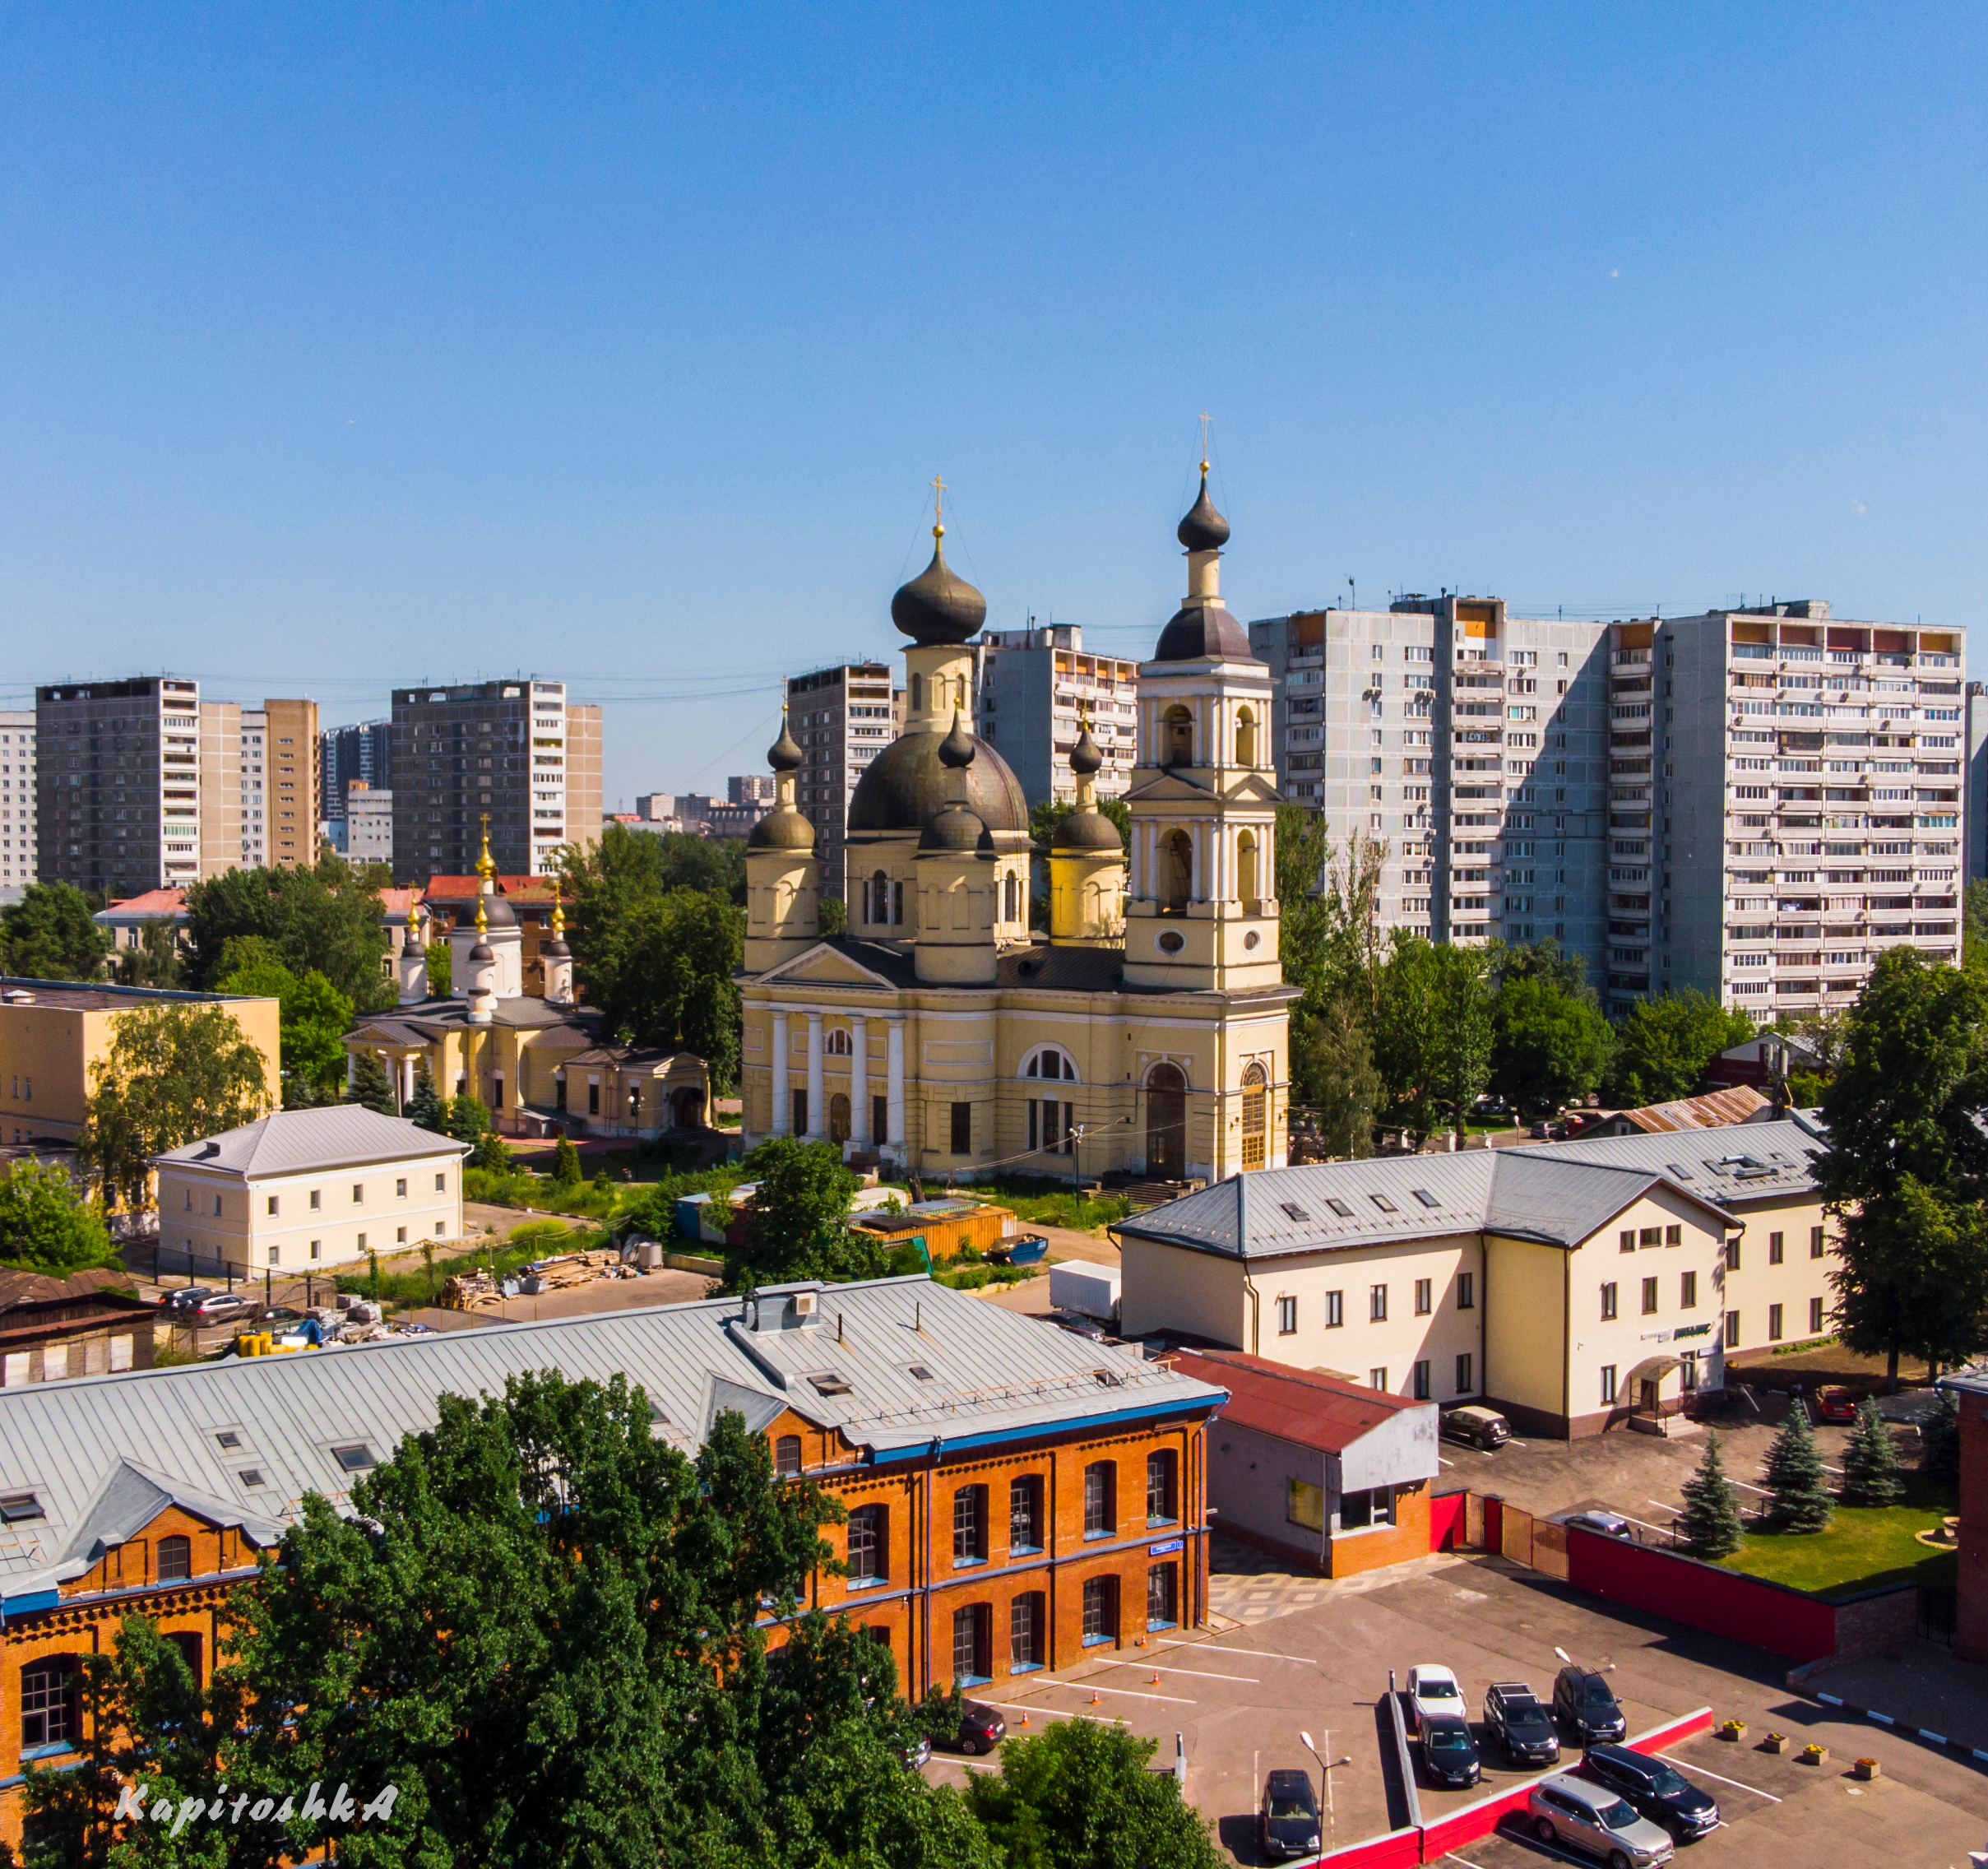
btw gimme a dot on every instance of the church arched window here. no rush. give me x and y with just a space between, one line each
1050 1061
1245 738
1176 872
1011 905
836 1044
1246 870
918 694
877 900
1256 1124
1177 737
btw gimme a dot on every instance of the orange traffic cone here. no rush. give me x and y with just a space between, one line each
1156 1678
1025 1720
1094 1696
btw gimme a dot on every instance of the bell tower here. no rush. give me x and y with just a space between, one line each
782 872
1087 864
957 880
1202 912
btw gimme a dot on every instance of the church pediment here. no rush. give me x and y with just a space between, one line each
823 966
1255 789
1169 788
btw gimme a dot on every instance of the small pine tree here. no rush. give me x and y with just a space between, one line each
1795 1477
1939 1436
1711 1519
424 1107
492 1152
467 1119
566 1163
1870 1463
371 1086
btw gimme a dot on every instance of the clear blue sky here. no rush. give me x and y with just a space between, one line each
346 347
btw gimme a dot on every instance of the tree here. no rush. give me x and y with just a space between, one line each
1795 1477
492 1152
371 1086
663 975
1460 1058
1080 1796
1662 1046
1405 1037
1549 962
173 1073
441 969
1911 1277
48 935
1939 1436
1710 1522
156 961
1974 924
1871 1472
832 915
326 919
797 1225
1549 1046
425 1107
468 1117
47 1224
313 1018
1332 1074
566 1163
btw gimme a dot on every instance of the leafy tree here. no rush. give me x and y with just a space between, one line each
1796 1476
1406 1036
492 1152
1939 1436
1974 924
47 1224
662 975
1911 1277
1332 1069
1080 1796
566 1163
425 1106
441 969
173 1073
1459 1059
326 919
468 1117
833 916
1662 1046
1871 1472
47 934
1710 1522
371 1086
797 1225
1547 961
313 1018
156 961
1549 1045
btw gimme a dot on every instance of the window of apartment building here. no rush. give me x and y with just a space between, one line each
1421 1381
1774 1249
1732 1330
1626 1240
1305 1505
970 1525
1424 1299
1652 1236
359 1192
1026 1622
1732 1256
1674 1235
1101 1498
1466 1372
1162 1493
315 1202
1287 1317
1162 1596
787 1456
1815 1242
962 1128
1360 1511
317 1248
1466 1291
1377 1303
1100 1611
1688 1290
971 1647
1649 1297
1378 1379
399 1189
275 1203
441 1183
1335 1309
1815 1316
1608 1301
1773 1324
1025 1513
869 1545
1608 1385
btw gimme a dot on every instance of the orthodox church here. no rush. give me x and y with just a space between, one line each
1146 1032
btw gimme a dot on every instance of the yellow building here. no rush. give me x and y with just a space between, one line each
53 1033
1145 1033
1569 1285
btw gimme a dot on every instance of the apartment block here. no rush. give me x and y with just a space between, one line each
749 788
17 798
368 825
1470 743
117 784
362 751
1034 685
1974 780
842 717
1785 803
511 752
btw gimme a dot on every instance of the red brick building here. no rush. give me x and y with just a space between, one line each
1970 1596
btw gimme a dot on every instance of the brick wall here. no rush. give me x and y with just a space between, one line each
1970 1618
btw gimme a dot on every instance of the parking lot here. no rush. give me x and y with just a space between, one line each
1241 1698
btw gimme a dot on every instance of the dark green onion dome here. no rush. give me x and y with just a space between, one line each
785 754
906 787
1202 632
782 828
937 609
956 749
1085 758
481 953
1086 832
1204 529
955 828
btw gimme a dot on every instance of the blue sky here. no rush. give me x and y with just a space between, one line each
346 347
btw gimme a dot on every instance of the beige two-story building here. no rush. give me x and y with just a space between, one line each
1571 1286
303 1190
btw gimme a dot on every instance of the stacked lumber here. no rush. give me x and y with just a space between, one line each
468 1291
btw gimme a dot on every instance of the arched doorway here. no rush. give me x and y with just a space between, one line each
686 1107
838 1118
1176 872
1256 1116
1166 1123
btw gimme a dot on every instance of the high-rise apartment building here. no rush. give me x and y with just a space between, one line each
255 764
1785 803
749 788
1470 743
841 718
1035 687
512 751
117 784
1974 780
17 798
362 751
295 782
368 824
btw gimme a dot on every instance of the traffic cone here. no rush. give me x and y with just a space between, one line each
1025 1720
1156 1678
1094 1696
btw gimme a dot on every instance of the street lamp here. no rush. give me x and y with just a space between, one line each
1325 1771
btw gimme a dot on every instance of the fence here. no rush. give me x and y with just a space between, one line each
1448 1521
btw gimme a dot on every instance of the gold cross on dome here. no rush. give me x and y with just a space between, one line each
938 507
1205 419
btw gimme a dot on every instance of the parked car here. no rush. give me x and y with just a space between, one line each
1288 1823
1836 1404
1656 1788
1513 1712
1433 1695
982 1728
1583 1701
1026 1249
182 1300
916 1756
1566 1810
1449 1755
1609 1524
1480 1426
219 1307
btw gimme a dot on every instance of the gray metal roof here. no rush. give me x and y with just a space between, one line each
1557 1192
296 1141
988 1375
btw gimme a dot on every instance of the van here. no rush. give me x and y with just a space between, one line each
1593 1818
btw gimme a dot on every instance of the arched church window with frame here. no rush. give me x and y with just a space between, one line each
1052 1121
1177 737
1011 899
1256 1116
1245 738
837 1044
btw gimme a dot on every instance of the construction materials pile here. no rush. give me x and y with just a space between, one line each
470 1290
563 1269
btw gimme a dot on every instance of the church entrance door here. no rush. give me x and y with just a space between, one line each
1166 1124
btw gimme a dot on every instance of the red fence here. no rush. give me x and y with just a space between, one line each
1447 1512
1398 1849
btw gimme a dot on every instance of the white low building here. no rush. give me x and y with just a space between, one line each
305 1189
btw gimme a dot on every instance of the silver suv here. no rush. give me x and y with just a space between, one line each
1591 1817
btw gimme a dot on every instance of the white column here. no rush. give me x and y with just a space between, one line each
1197 854
1134 856
818 1117
407 1081
858 1081
894 1084
783 1102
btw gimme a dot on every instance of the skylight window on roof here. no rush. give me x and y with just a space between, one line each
1679 1170
15 1507
1426 1197
657 1417
1383 1203
251 1476
1339 1206
919 1371
355 1459
829 1385
228 1438
1295 1212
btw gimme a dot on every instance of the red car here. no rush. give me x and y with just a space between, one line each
1836 1404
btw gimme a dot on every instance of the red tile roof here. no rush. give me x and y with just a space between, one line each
157 902
1307 1407
518 889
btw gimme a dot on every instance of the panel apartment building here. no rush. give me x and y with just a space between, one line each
1033 685
516 752
1471 743
842 717
17 854
363 750
259 785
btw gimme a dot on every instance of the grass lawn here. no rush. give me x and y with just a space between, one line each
1864 1547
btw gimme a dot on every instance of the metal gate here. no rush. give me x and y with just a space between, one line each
1936 1610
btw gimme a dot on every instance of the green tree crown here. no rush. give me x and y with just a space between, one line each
1795 1477
47 1224
1709 1523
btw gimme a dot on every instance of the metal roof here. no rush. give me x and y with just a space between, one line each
988 1375
1717 1109
1307 1407
296 1141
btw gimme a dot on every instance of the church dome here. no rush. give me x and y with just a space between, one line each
1201 632
497 913
782 829
955 828
1083 832
905 787
1203 530
938 607
483 955
785 754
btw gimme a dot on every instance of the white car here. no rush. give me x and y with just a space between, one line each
1433 1693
